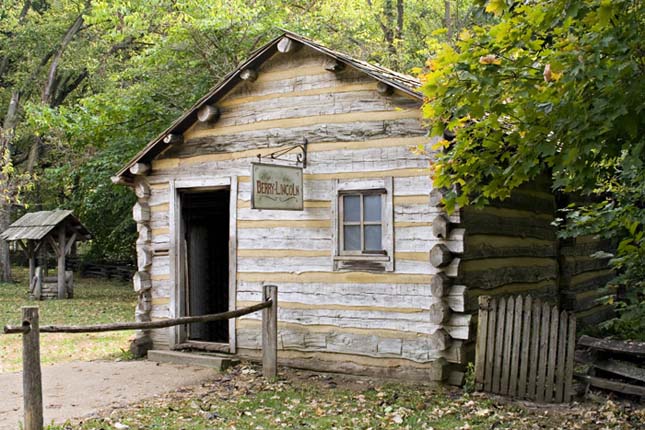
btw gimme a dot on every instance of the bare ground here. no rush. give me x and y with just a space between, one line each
79 389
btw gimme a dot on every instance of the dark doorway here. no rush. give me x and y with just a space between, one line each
206 219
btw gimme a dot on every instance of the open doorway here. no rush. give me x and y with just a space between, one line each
205 216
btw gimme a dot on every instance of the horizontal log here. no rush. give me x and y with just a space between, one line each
595 315
173 139
292 337
528 200
507 223
587 280
621 368
616 346
286 45
139 168
440 256
208 114
582 300
606 384
356 365
384 89
316 133
494 273
144 325
571 266
249 75
497 246
333 65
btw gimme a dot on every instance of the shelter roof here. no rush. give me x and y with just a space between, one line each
37 225
400 81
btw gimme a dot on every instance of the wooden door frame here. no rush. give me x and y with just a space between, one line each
175 221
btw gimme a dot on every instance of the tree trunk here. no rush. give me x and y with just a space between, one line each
447 20
5 261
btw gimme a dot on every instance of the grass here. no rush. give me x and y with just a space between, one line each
242 400
95 301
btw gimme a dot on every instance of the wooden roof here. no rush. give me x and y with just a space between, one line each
37 225
402 82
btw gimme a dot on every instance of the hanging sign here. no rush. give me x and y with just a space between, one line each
276 187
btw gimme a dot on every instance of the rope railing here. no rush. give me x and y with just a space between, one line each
30 330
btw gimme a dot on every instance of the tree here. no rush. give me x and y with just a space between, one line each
548 86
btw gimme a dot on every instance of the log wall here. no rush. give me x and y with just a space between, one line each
361 321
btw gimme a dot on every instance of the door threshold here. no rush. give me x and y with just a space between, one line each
204 346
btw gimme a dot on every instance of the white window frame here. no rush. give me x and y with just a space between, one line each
358 260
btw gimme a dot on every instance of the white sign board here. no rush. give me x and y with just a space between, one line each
276 187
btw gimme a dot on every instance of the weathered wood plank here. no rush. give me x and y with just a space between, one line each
553 351
525 348
615 346
606 384
515 362
534 354
493 273
543 352
490 345
482 334
499 345
508 345
560 363
571 346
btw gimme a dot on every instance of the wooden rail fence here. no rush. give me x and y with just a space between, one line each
525 349
30 330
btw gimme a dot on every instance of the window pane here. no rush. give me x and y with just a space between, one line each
352 208
352 238
373 238
372 207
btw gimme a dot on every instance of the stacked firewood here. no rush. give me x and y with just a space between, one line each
614 365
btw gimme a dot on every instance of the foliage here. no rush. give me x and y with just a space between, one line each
551 86
241 399
95 301
134 66
469 378
630 323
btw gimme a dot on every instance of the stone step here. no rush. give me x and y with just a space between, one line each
217 362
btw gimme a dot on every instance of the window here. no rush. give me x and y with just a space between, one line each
362 223
363 231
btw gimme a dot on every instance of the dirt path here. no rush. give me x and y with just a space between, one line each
74 390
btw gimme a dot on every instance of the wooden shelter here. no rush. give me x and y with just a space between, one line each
374 276
34 232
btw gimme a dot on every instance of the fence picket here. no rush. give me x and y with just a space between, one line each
515 349
553 350
544 344
561 360
526 342
480 348
571 346
508 342
490 345
535 348
499 345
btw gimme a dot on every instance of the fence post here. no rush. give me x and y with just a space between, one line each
270 332
32 390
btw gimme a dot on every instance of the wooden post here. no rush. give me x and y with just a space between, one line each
62 291
31 255
31 376
270 332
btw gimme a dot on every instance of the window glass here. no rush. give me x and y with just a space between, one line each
373 238
352 208
372 207
352 234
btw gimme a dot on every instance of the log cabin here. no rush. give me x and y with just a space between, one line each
374 276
